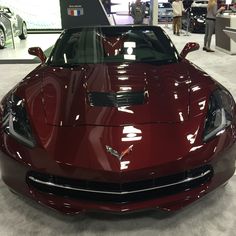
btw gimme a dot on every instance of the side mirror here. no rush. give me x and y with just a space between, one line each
189 47
37 51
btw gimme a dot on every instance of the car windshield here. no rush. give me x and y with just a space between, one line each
199 10
5 10
113 44
164 5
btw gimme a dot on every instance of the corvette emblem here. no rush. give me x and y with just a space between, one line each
118 155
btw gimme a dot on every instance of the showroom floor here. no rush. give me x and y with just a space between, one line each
214 215
20 53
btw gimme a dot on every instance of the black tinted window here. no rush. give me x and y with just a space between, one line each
164 5
199 10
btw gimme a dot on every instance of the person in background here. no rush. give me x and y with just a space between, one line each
178 10
210 23
138 12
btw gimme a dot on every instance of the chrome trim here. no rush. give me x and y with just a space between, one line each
116 154
118 193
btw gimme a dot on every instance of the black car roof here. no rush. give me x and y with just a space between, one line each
148 27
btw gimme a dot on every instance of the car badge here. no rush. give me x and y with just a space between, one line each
118 155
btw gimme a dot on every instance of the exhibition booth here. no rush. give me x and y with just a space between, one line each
115 122
225 33
45 20
60 14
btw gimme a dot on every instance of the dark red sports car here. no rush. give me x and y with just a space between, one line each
116 120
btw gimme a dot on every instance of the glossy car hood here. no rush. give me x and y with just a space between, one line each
73 96
99 150
141 146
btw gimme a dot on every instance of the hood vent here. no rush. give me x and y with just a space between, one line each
120 99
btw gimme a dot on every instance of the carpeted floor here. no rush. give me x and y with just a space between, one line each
214 215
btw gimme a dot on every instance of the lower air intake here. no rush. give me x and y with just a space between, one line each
119 99
120 192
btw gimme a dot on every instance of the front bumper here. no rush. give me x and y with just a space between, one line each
120 193
16 173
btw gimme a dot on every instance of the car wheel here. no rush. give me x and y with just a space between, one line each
23 32
2 39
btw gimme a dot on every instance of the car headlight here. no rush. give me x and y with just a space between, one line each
15 121
219 115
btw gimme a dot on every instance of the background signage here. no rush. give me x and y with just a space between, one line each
75 13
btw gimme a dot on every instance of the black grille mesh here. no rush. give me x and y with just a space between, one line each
148 184
119 99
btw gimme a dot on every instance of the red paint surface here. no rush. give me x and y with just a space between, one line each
166 132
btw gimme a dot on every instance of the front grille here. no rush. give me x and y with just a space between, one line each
119 99
120 192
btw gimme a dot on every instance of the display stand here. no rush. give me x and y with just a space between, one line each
223 41
231 32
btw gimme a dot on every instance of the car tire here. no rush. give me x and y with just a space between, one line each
23 31
2 39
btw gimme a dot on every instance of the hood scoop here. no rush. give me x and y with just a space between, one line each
119 99
100 96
